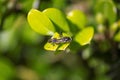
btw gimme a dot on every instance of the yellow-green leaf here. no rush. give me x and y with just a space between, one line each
84 37
50 46
117 37
58 18
40 23
107 8
78 18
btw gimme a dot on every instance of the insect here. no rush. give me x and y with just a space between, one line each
62 40
58 42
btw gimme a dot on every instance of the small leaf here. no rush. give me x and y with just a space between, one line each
40 23
50 46
58 18
78 18
117 37
107 8
84 37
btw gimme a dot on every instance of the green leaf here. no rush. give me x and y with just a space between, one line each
9 22
40 23
107 8
50 46
117 37
58 18
78 18
84 37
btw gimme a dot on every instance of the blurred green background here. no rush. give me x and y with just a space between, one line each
22 56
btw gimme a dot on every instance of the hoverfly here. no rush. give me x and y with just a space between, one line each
58 42
62 40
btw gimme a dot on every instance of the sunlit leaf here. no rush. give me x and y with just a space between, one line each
53 46
40 23
117 37
107 8
113 28
100 18
78 18
84 37
58 18
50 46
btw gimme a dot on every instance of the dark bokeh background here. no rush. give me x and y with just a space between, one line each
22 56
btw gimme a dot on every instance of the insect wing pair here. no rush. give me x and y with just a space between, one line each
58 42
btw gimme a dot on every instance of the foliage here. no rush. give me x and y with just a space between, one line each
40 22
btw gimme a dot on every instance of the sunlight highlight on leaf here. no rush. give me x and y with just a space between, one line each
58 18
84 37
78 18
40 23
117 37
